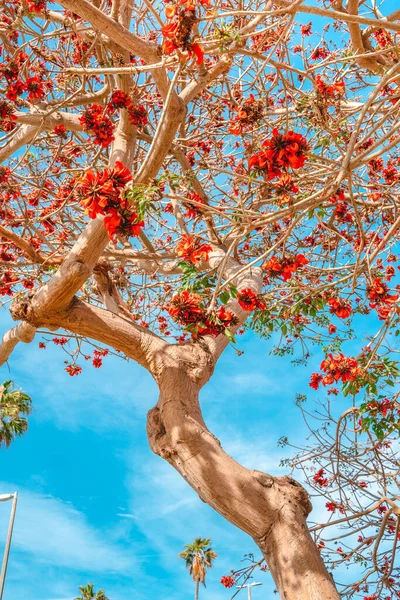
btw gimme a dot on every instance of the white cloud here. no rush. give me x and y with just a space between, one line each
54 532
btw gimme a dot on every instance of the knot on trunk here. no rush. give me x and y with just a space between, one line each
263 478
157 435
295 492
23 311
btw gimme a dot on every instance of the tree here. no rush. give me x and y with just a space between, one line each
198 557
88 593
14 405
174 178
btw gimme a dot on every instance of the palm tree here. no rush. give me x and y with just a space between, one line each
88 593
13 405
198 557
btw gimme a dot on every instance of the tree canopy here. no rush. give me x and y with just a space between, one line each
176 173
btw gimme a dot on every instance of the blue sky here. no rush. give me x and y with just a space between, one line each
96 505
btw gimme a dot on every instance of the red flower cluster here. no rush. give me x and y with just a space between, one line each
337 367
192 250
7 116
36 5
319 478
249 112
73 370
137 112
186 309
192 211
284 186
378 293
61 131
383 37
285 266
281 152
325 90
100 194
228 581
333 506
249 300
36 87
95 121
340 307
177 34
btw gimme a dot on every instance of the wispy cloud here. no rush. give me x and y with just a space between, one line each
55 533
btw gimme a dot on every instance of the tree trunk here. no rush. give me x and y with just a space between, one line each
196 591
272 510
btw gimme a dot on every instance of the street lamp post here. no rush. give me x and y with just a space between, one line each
5 498
248 585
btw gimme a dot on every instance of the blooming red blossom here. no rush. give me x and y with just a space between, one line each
340 307
185 308
7 116
73 370
118 100
285 266
137 115
228 581
324 89
100 194
60 130
36 5
192 210
319 478
381 300
192 250
316 379
248 113
249 300
178 33
339 367
280 151
15 89
35 88
98 124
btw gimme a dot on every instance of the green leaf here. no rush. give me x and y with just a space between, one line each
224 297
230 335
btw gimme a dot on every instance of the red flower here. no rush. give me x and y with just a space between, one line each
228 581
339 367
282 151
138 115
60 130
192 250
73 370
94 120
329 90
36 5
185 308
316 379
319 478
15 89
34 87
7 116
118 100
248 300
382 301
339 307
100 194
332 328
285 266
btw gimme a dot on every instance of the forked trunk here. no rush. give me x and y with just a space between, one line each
272 510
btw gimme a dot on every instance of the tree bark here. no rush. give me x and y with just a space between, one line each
196 592
272 510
